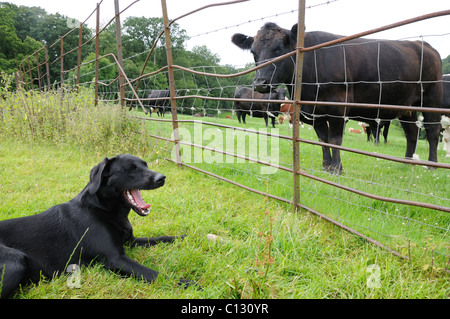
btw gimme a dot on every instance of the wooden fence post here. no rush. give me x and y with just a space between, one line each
97 49
38 71
296 105
47 67
176 135
62 63
119 53
80 42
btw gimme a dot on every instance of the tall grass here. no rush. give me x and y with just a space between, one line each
71 118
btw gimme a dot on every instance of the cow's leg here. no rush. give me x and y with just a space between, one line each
386 130
376 132
432 128
411 133
369 132
335 134
321 128
432 121
238 114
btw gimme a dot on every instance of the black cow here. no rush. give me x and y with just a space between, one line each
361 70
374 129
264 110
159 105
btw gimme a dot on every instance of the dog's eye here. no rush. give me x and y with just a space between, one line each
132 167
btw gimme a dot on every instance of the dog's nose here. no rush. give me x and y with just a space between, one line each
159 179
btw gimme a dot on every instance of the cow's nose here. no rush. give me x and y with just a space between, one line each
261 86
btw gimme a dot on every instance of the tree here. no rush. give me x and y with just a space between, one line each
446 65
12 48
35 23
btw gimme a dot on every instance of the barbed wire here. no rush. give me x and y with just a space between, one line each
263 18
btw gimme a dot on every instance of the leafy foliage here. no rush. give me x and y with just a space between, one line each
446 65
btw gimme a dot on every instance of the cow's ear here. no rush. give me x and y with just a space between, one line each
242 41
293 34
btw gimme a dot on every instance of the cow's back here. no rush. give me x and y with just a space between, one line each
369 70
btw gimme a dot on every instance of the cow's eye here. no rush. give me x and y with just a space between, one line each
278 51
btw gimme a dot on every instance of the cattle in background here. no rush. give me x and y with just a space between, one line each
361 70
159 105
374 128
288 110
353 130
446 88
258 109
445 120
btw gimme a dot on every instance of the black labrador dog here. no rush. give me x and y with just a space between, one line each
93 226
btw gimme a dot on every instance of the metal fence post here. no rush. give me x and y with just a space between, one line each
47 67
29 72
119 52
176 135
38 71
80 42
296 105
97 49
62 63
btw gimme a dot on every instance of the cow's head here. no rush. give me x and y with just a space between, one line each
270 42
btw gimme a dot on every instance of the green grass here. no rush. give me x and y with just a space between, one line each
268 251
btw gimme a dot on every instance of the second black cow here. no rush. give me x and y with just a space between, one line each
160 104
258 109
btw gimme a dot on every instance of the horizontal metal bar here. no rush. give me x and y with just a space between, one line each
376 155
232 182
322 103
376 197
237 156
377 30
351 230
377 106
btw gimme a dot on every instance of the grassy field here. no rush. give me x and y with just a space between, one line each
266 251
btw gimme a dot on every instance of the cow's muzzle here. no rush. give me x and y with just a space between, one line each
262 86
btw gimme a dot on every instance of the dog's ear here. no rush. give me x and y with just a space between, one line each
96 176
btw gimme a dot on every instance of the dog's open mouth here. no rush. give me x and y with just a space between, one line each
134 197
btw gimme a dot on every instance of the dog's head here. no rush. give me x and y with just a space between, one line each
121 178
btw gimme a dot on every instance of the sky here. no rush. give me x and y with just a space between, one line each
343 17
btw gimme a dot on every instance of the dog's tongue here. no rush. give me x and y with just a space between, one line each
138 199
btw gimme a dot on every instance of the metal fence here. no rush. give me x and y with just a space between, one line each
397 224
